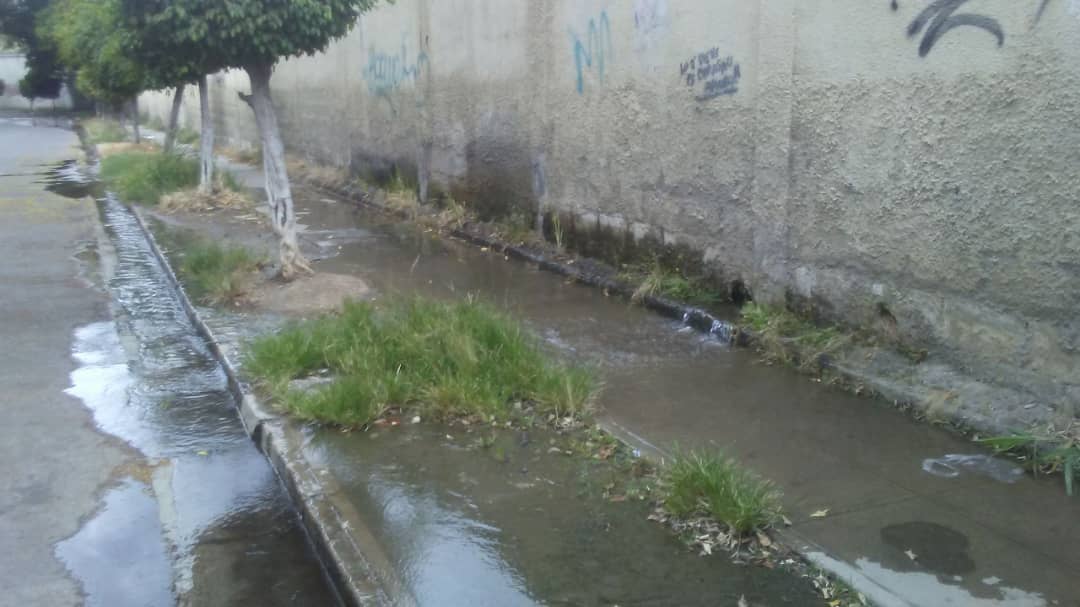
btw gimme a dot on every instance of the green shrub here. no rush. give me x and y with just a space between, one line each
444 359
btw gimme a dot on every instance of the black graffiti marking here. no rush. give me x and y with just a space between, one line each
939 19
719 75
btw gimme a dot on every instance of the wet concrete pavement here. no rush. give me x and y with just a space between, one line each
128 478
906 515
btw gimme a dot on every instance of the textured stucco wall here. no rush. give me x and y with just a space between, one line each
812 148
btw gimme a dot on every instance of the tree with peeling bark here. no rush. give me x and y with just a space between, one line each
175 58
92 38
253 35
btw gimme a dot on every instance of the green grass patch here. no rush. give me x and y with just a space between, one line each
145 177
215 274
1045 453
443 359
709 484
657 279
99 130
785 337
154 123
187 136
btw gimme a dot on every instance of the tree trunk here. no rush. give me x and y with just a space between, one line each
278 192
135 118
206 145
174 119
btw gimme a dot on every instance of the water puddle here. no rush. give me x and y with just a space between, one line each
119 555
512 524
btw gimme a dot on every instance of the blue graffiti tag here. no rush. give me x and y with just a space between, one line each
387 72
595 51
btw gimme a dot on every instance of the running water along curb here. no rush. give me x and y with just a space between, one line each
352 557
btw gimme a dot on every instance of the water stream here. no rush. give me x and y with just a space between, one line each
200 519
882 477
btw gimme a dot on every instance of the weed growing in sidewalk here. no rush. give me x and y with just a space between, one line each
145 177
784 337
100 130
709 484
215 274
443 359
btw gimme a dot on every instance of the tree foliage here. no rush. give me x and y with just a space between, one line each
259 32
19 21
92 38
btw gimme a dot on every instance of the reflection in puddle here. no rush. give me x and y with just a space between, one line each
924 589
953 465
119 555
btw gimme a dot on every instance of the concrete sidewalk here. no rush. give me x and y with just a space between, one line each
55 463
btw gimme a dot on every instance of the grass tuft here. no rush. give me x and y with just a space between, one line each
659 280
99 130
709 484
787 338
214 274
145 177
445 359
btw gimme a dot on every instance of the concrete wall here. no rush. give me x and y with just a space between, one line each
882 167
12 70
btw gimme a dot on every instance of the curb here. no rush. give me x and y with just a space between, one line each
353 560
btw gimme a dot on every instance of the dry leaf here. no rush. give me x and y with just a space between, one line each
763 539
820 513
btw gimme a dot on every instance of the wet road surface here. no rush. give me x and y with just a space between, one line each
129 479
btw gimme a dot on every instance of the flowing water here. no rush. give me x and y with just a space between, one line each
882 479
201 518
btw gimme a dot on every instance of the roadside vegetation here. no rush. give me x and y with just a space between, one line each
171 180
439 359
700 484
101 130
217 274
1050 451
656 279
784 337
212 273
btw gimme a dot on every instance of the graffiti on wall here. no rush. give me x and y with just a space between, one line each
711 74
386 72
594 50
941 16
650 16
